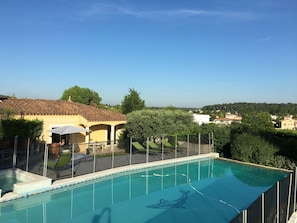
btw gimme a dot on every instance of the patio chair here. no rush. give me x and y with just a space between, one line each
153 145
167 145
138 146
62 162
154 148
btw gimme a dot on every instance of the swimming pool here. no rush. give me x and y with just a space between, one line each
204 190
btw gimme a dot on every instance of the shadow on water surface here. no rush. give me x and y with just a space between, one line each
97 217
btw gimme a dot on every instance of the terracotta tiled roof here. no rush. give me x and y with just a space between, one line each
59 107
229 119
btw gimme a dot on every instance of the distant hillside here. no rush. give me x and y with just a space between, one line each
243 107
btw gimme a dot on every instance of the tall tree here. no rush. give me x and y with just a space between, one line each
132 102
261 120
156 123
82 95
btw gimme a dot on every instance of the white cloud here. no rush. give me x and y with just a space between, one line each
265 39
99 9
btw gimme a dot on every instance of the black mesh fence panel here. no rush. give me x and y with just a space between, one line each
238 218
254 212
270 201
283 199
292 197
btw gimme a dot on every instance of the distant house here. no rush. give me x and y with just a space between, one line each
288 123
228 119
201 118
103 125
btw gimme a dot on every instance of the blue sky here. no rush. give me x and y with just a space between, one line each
183 53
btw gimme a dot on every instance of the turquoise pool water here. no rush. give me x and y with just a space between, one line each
208 190
6 184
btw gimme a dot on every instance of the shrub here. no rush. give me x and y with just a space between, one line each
283 162
252 148
23 128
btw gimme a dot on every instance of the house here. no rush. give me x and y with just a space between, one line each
201 118
288 123
228 119
101 125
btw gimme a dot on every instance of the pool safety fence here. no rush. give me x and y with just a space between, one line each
275 205
33 156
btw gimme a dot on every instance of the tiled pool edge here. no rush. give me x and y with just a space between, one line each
256 165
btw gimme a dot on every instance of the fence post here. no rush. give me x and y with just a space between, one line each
112 159
277 202
175 146
295 188
15 146
130 161
209 142
147 149
289 197
28 153
263 207
212 142
199 143
162 147
45 160
94 158
244 216
72 164
188 145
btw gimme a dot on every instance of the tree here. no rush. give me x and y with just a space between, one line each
222 137
82 95
132 102
157 123
258 121
6 114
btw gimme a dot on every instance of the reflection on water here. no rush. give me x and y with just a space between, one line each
151 194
